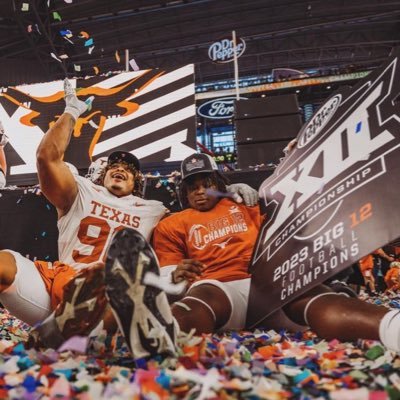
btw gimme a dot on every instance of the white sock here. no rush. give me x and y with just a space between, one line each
389 330
74 106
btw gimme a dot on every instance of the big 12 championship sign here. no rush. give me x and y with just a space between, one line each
335 198
150 113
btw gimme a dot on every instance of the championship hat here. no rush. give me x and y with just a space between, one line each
197 163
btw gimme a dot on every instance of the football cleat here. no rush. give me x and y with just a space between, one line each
81 310
140 307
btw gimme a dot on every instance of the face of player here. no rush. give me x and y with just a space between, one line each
197 192
119 180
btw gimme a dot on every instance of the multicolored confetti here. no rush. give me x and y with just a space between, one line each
56 16
133 64
236 365
84 35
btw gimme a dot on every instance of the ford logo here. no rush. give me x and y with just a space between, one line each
319 120
218 108
222 51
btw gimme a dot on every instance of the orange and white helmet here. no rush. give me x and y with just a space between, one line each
96 169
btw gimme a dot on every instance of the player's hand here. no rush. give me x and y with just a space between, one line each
241 192
187 270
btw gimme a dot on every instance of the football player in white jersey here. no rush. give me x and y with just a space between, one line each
88 216
60 295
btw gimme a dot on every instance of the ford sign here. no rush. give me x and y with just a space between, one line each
218 108
222 51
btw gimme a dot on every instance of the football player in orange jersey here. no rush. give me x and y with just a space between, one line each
210 242
392 278
68 297
366 265
207 248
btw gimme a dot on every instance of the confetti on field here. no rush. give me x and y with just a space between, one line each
261 364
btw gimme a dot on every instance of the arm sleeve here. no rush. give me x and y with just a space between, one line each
169 243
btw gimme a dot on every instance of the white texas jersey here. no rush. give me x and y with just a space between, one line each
87 229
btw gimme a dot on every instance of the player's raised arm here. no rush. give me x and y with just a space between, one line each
56 180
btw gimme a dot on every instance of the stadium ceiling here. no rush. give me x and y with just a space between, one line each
167 34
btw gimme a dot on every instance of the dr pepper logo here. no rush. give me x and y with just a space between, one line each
223 50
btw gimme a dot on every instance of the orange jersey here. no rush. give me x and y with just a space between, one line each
222 239
366 263
392 277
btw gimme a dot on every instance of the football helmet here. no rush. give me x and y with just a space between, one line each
96 169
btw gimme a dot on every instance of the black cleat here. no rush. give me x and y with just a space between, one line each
141 309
